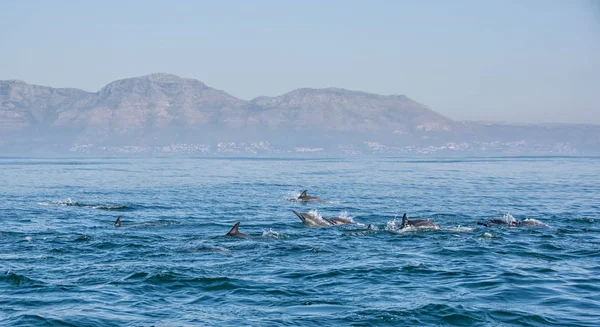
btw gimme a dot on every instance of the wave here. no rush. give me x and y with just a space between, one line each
35 320
455 315
176 280
585 220
16 279
73 320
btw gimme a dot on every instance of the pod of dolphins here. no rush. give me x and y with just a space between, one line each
316 220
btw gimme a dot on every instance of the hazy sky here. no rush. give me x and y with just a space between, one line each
514 61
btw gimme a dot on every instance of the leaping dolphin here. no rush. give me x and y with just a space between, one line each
234 232
306 198
118 222
312 220
315 220
418 223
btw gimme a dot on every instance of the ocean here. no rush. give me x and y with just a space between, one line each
64 263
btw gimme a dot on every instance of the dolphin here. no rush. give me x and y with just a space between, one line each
311 220
340 221
501 222
512 223
69 203
118 222
234 232
418 223
315 220
305 198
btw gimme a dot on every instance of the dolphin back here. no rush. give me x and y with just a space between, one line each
234 230
404 221
417 223
305 197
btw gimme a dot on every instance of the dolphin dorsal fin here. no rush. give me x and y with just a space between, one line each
303 194
234 230
404 221
118 222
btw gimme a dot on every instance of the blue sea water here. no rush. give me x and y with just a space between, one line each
63 263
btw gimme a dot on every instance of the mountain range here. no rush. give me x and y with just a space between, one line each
167 113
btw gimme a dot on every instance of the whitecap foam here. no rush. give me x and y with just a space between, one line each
344 215
271 233
292 195
391 226
509 218
533 222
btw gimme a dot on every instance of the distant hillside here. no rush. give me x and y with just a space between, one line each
348 111
162 111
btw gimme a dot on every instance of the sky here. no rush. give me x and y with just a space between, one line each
533 61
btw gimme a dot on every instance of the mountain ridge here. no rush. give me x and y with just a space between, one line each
161 109
162 92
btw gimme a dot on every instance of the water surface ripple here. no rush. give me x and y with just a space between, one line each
63 263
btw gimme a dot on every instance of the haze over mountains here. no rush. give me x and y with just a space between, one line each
162 113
